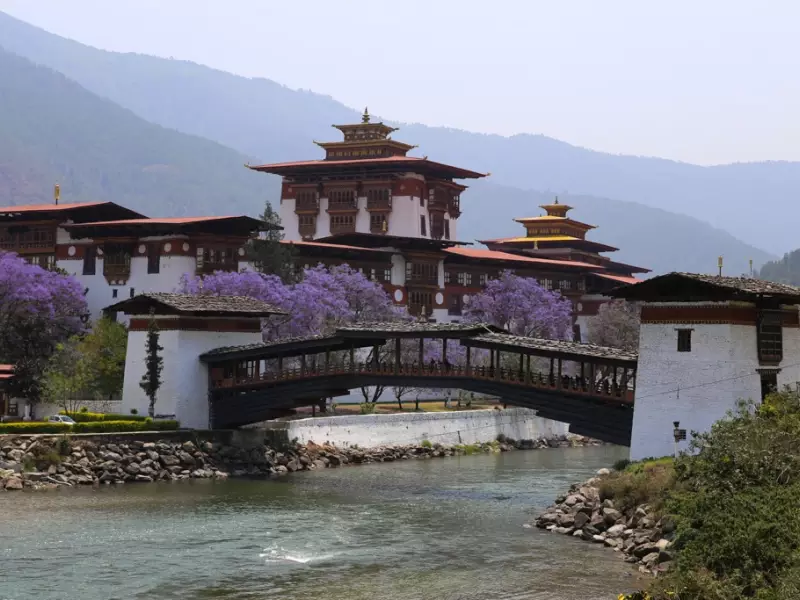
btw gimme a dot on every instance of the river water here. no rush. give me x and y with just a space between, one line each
444 529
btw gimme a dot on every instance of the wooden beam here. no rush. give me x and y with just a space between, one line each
397 356
558 383
469 360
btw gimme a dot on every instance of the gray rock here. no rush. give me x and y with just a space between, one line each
604 472
598 539
611 516
132 469
148 446
574 499
15 455
615 531
650 560
281 470
169 461
293 466
665 556
644 550
580 520
577 533
142 477
13 484
10 466
186 458
567 520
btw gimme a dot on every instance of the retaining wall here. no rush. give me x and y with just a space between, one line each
448 428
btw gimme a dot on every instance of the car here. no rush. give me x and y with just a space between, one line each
61 419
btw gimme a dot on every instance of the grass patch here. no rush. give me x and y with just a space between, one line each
646 482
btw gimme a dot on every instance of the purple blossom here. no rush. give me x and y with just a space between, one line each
323 299
522 306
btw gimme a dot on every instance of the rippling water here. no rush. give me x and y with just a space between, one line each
446 529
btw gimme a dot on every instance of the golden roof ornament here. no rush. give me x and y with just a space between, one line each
384 226
365 116
57 193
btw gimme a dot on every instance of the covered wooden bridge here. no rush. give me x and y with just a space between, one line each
590 387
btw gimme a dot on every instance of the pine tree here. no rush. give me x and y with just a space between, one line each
151 380
268 253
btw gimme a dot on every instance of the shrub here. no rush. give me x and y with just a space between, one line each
84 409
640 483
91 417
26 427
121 426
501 437
367 408
64 445
621 464
134 411
426 444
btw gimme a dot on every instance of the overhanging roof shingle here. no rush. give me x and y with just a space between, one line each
690 287
195 305
554 348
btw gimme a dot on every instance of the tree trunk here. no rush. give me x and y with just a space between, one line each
151 409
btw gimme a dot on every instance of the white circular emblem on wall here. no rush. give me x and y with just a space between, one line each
167 247
99 252
465 299
580 307
241 251
439 298
185 246
71 251
398 295
142 248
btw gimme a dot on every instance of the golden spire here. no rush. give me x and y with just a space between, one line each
384 226
57 193
365 116
556 201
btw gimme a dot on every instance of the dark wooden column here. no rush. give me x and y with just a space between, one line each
614 380
528 370
444 351
397 356
280 364
558 381
352 359
327 359
302 364
521 363
497 370
375 359
421 354
469 360
551 381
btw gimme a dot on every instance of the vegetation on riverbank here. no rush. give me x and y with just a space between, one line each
735 503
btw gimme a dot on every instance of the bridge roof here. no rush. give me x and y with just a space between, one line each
553 349
285 347
416 329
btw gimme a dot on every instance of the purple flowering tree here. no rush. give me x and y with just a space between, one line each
39 309
522 306
321 300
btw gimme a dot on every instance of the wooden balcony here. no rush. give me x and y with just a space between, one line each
306 206
455 207
206 267
379 204
307 231
422 279
416 310
343 206
346 227
116 271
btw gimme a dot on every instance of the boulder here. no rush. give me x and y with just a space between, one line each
615 531
168 460
567 520
293 465
133 469
580 520
598 539
186 458
611 516
574 499
13 484
644 550
602 472
650 560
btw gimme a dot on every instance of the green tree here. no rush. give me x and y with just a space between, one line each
67 376
154 363
268 253
105 347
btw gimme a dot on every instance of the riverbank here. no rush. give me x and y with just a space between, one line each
48 462
636 530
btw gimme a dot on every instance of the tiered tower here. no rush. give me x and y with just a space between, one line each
367 184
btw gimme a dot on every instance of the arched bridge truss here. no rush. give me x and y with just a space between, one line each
590 387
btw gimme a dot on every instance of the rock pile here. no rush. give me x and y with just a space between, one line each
42 462
638 534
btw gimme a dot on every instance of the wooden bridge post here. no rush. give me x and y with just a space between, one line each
352 359
521 364
396 356
559 383
614 381
327 360
469 359
302 365
421 355
497 370
280 364
552 379
375 361
528 370
444 352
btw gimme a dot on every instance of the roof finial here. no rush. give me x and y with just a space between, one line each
556 202
57 193
365 116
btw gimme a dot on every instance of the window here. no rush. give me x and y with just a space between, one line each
153 258
387 274
769 384
422 230
546 284
446 277
216 258
456 305
446 229
45 261
770 337
482 279
419 301
467 278
461 277
684 340
343 223
378 224
420 272
576 333
90 260
117 260
565 284
379 198
114 293
133 292
421 200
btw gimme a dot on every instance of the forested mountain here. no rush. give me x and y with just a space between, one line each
785 270
55 130
261 118
52 130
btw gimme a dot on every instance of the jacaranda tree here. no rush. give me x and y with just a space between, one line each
39 310
522 306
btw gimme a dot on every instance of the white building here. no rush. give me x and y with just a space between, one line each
188 326
705 343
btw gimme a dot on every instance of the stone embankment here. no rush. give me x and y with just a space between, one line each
45 462
638 533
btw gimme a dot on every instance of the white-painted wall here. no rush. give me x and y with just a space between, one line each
695 388
450 428
184 391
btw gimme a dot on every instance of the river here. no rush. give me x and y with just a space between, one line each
444 529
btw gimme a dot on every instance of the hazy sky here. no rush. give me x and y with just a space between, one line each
705 81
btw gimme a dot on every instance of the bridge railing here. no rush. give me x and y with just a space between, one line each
537 380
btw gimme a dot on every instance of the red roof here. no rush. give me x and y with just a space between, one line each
155 221
48 207
6 368
619 278
456 172
495 255
324 245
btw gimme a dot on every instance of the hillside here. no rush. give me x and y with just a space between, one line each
54 130
785 270
261 118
